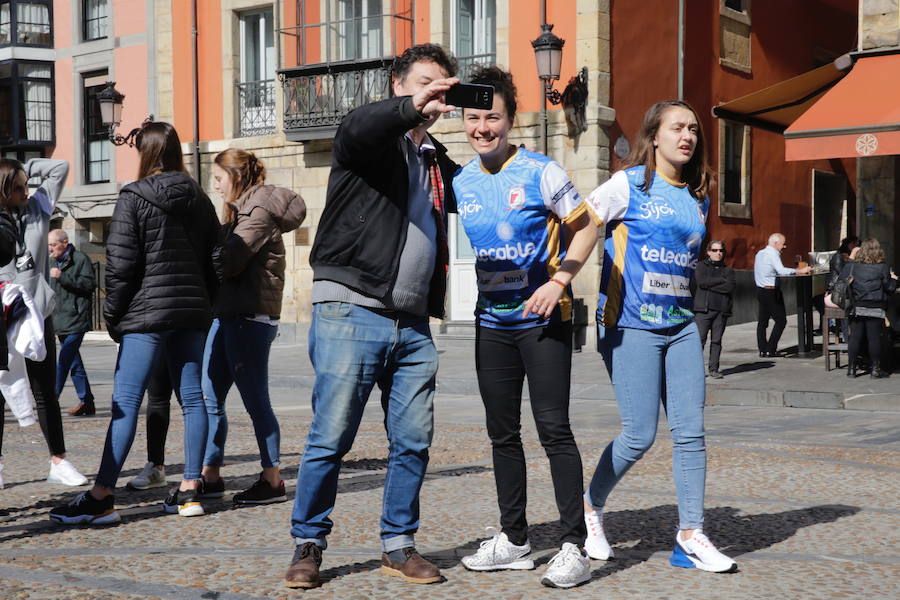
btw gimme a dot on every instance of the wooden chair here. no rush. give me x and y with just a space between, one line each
827 346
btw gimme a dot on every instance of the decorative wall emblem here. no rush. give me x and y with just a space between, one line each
866 144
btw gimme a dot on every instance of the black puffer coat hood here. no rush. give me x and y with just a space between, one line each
159 272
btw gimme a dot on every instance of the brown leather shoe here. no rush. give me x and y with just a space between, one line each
414 569
304 569
83 410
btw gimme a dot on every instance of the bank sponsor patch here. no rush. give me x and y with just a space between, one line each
666 284
500 281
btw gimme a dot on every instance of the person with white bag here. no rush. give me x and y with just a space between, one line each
30 217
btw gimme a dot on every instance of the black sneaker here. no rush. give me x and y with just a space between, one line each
185 503
87 509
261 492
214 489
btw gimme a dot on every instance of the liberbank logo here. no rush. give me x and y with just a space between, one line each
507 252
664 284
499 281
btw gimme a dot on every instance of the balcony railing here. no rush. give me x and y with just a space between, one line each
256 102
316 97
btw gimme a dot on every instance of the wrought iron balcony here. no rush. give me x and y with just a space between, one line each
256 101
316 97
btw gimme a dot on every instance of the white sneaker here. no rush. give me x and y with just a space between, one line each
595 544
570 567
698 552
64 472
149 477
499 553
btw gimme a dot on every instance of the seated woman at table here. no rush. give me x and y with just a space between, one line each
870 285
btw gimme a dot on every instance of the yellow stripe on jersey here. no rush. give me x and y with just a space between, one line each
585 206
613 306
579 210
554 262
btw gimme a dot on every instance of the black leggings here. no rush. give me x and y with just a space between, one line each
870 329
502 359
42 378
159 396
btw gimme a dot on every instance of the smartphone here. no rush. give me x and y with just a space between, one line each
471 95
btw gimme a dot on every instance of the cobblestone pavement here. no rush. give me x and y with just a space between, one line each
808 501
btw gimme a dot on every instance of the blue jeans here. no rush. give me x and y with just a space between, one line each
183 351
649 368
237 353
69 360
352 349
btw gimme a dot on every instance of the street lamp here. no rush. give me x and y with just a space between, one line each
548 56
111 100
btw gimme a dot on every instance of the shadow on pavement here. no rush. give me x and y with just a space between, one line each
747 367
126 497
733 533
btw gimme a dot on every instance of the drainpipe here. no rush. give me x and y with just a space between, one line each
195 75
545 118
681 49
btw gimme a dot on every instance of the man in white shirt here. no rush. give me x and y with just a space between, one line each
766 268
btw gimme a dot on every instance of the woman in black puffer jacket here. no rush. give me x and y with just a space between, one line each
871 283
159 283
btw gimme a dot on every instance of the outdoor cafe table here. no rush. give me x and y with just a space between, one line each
804 294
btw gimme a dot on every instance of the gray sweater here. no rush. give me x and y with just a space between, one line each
34 218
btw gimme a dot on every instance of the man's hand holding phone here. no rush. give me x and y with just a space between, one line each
430 102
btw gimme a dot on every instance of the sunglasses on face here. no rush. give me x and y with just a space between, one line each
717 250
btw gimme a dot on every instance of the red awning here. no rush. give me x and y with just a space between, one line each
860 116
774 108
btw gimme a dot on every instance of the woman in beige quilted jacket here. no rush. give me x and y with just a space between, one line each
250 264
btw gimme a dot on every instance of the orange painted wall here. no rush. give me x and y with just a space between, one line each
524 26
129 16
209 46
641 77
130 69
62 13
783 39
66 144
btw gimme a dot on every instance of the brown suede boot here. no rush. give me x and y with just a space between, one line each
304 569
414 569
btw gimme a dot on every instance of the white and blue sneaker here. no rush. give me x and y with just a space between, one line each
498 553
697 552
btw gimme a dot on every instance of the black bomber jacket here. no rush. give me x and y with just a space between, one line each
362 230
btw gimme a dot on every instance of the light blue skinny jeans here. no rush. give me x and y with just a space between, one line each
649 369
182 349
237 353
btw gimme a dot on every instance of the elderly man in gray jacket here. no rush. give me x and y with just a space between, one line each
72 279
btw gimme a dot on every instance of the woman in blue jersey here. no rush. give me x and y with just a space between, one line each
531 233
654 213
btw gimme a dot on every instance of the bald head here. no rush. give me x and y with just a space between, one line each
58 241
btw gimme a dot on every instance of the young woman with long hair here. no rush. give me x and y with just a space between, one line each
159 288
250 265
30 216
654 212
871 280
531 233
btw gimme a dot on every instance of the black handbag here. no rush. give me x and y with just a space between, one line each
842 292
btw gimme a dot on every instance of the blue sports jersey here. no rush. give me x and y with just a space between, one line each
651 248
512 218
